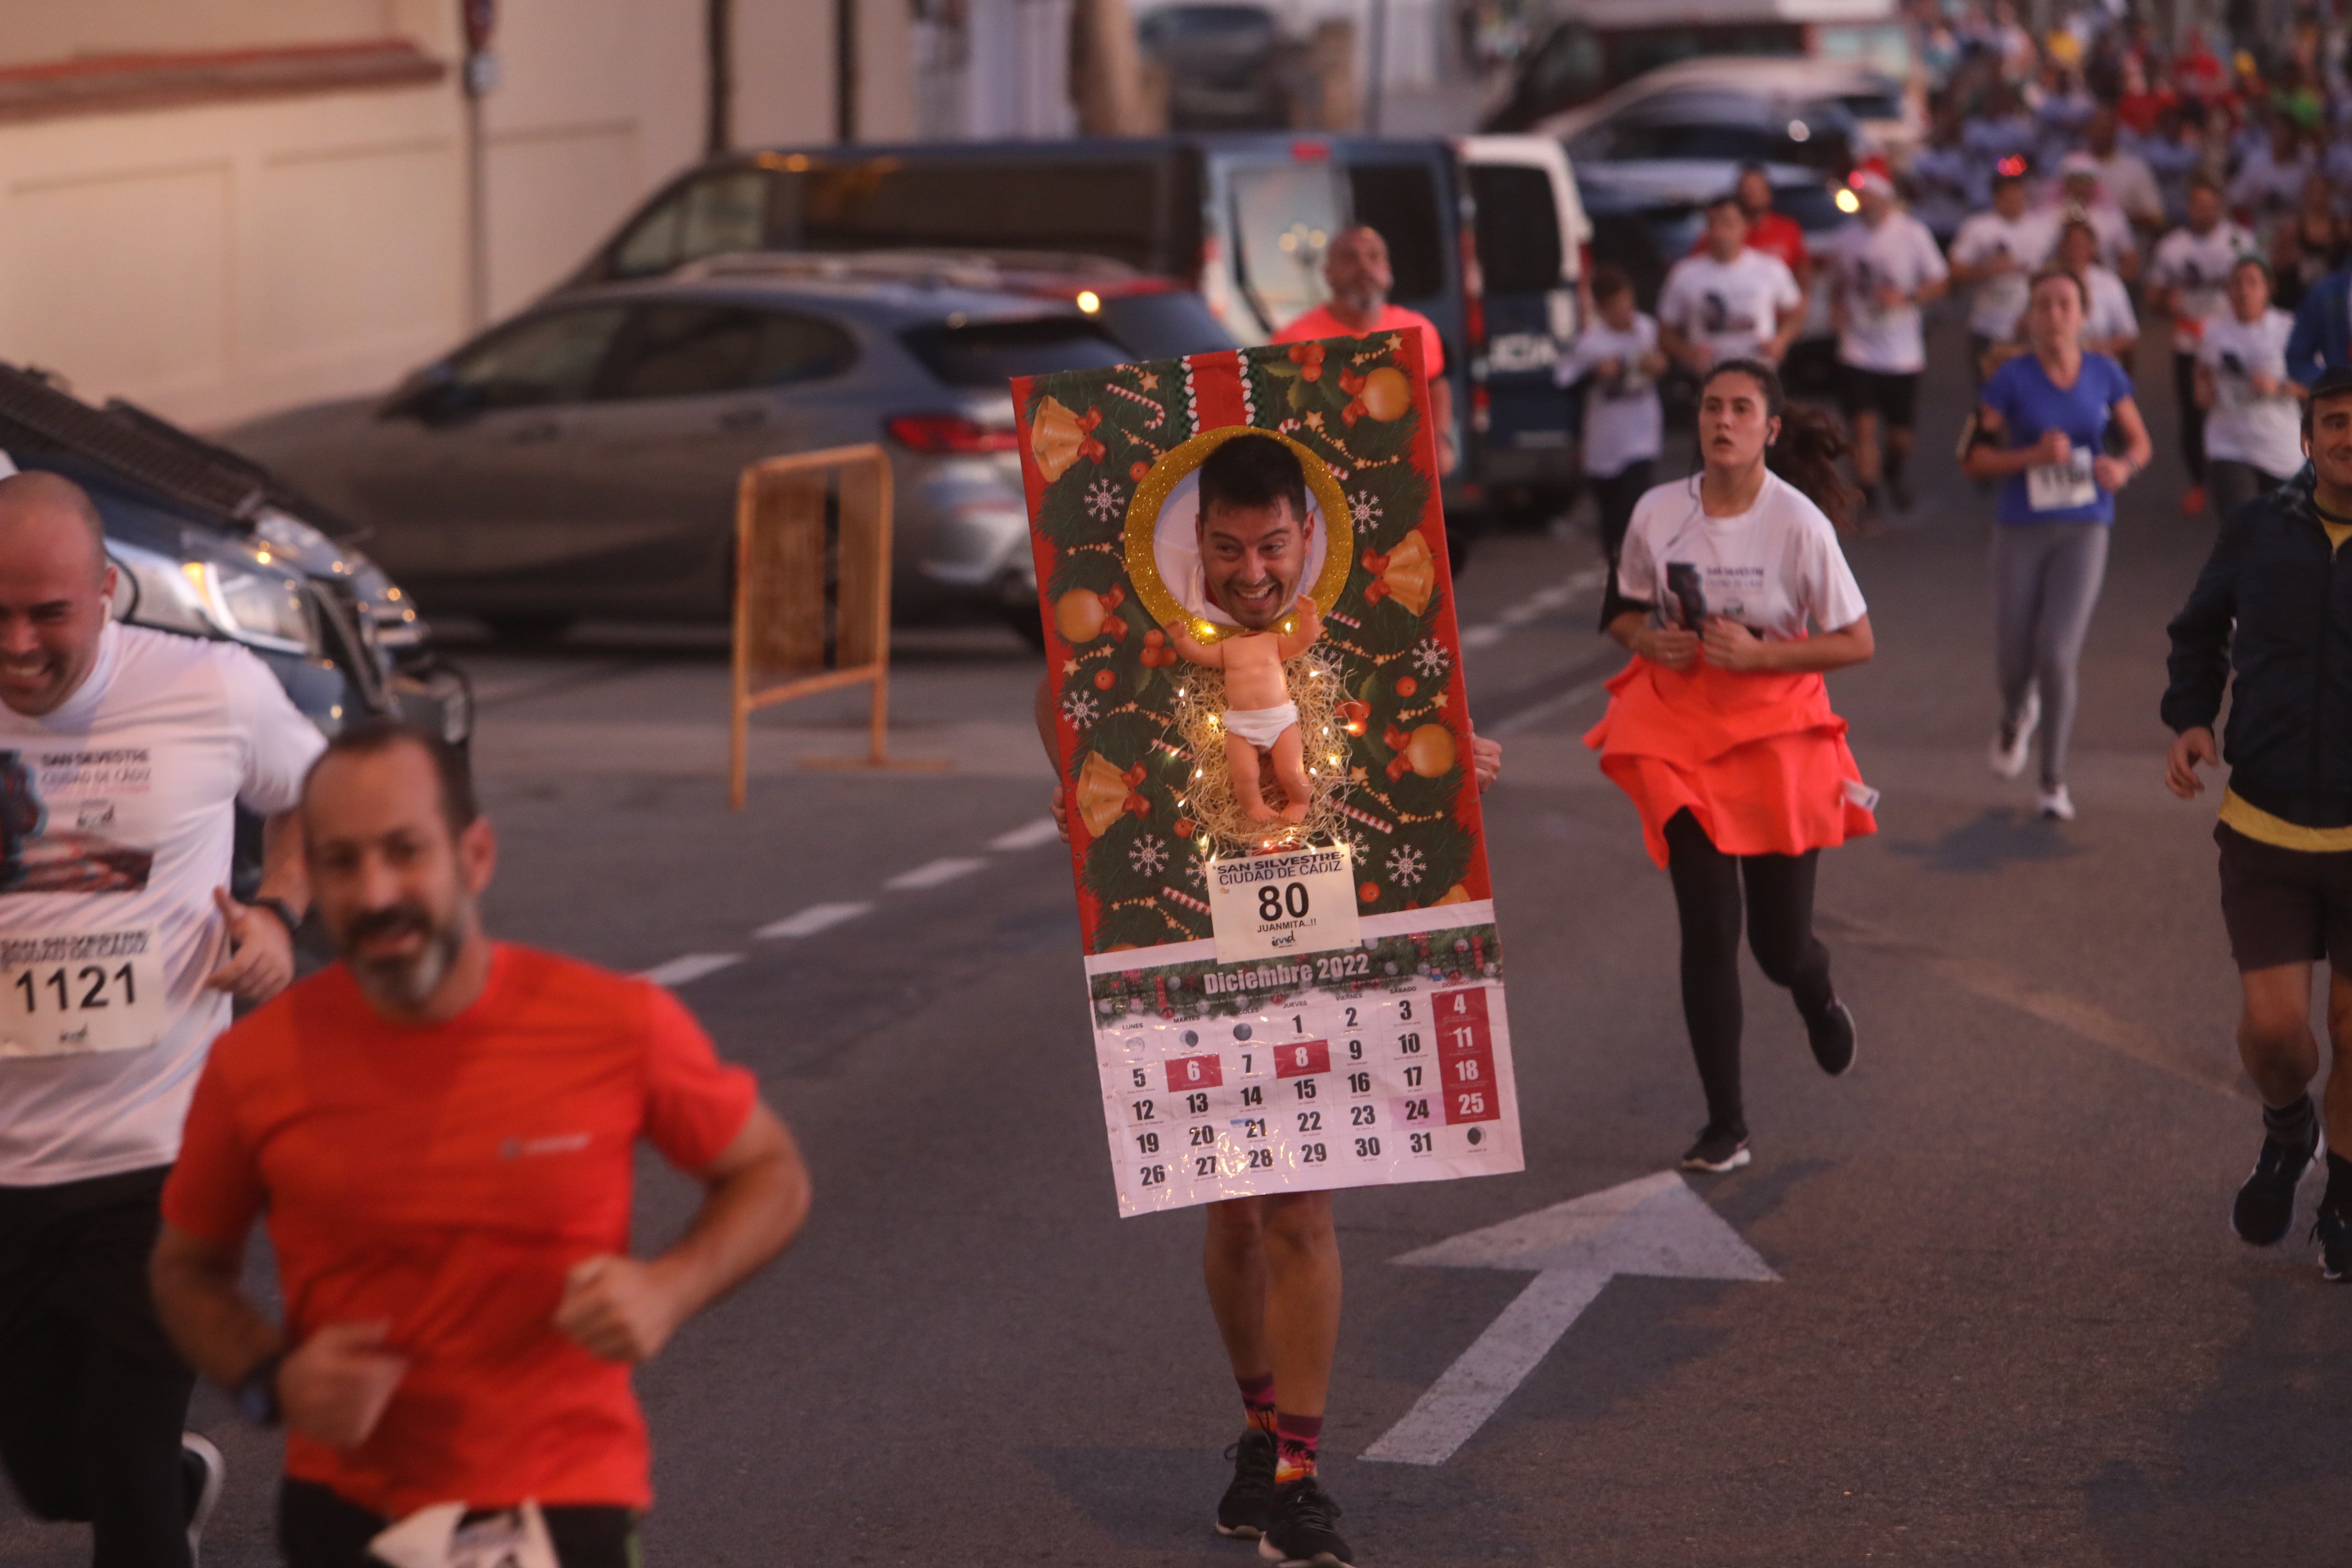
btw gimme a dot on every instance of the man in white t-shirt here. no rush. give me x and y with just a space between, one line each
1730 301
2253 425
2080 195
1883 265
2123 174
1993 256
2187 279
124 754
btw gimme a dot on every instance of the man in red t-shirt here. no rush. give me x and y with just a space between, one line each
441 1130
1356 270
1773 233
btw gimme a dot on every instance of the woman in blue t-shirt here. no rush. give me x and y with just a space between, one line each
2042 430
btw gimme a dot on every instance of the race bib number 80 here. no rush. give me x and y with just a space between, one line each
74 995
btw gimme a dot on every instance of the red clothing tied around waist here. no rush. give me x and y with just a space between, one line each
1758 758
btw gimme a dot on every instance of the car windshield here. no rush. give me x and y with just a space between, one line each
1813 206
1164 326
989 353
1186 23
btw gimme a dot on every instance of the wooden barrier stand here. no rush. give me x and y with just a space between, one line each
783 620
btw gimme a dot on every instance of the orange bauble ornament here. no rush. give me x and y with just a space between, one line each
1386 394
1078 614
1429 751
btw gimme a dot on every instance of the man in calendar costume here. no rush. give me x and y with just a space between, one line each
1149 551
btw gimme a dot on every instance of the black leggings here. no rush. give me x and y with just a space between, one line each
2193 419
92 1398
318 1528
1615 495
1780 931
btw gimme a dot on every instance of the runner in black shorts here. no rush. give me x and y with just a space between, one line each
2261 613
1893 397
1883 265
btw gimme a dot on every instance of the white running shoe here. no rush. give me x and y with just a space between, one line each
2012 742
202 1471
2054 804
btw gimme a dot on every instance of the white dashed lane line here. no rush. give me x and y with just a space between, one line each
812 919
935 873
693 966
1558 596
1031 836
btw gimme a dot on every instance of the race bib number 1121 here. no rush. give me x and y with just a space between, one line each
73 995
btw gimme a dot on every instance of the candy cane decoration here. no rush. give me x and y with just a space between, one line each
1187 900
1365 817
1158 413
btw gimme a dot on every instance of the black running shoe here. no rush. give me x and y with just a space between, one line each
1832 1035
2333 1231
2264 1211
1718 1149
1299 1534
202 1472
1248 1502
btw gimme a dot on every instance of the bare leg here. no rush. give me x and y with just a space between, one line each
1865 448
1289 766
2275 1037
1273 1271
1233 1262
1241 761
1302 1298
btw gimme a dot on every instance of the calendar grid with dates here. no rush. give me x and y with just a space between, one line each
1369 1066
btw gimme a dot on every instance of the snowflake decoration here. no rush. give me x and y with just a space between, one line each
1198 870
1406 866
1148 855
1359 848
1366 506
1428 655
1079 708
1103 500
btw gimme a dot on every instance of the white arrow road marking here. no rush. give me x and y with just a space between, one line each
812 919
1655 1226
1027 837
932 873
693 966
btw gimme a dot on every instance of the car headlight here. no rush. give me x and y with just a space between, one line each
213 599
257 607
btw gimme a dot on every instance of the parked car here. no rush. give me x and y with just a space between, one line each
208 544
1224 63
1711 125
1813 99
1599 44
1243 218
1649 214
581 459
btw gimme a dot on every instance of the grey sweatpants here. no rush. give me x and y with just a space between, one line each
2045 579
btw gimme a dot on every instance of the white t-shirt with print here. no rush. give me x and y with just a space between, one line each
115 829
1623 421
1863 259
1997 304
2242 426
1771 568
2110 315
2197 265
1734 306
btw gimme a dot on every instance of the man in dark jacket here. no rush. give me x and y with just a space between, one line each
2273 609
2322 339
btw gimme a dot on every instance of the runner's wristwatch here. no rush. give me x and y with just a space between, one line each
282 909
256 1395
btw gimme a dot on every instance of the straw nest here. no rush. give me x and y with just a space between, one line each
1223 828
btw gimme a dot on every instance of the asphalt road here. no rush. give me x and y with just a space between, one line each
2010 1327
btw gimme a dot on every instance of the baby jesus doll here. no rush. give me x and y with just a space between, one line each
1252 531
1260 718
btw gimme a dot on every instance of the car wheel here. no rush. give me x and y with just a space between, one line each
529 627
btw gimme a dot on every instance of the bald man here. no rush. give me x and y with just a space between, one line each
121 950
1356 270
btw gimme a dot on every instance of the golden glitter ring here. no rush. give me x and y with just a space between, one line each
1152 493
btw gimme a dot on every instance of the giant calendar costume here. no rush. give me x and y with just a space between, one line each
1320 1005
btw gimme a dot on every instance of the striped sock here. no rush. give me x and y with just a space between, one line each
1295 1438
1258 1398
